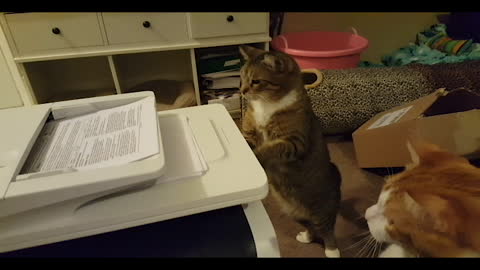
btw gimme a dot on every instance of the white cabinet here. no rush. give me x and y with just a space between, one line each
143 27
207 25
61 56
45 31
9 96
72 78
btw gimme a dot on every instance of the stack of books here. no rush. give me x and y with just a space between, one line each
220 79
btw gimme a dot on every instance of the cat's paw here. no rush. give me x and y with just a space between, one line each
332 253
304 237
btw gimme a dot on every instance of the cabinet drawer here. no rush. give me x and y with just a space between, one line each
46 31
205 25
145 27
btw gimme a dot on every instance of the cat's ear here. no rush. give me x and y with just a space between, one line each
249 52
413 154
430 154
419 149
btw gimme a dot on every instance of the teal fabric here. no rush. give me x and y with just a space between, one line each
421 53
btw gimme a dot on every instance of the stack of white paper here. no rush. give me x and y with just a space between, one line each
117 136
222 80
222 74
107 137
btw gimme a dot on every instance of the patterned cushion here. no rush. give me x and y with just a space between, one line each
348 98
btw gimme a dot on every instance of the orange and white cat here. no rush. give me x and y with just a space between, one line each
432 209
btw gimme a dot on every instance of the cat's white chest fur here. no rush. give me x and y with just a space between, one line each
395 251
263 111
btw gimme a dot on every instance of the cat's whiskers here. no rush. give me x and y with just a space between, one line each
369 253
375 251
365 244
359 242
366 248
391 172
371 247
373 242
362 234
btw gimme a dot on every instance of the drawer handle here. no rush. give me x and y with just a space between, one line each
230 18
146 24
55 30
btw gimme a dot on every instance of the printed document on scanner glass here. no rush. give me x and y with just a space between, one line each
108 137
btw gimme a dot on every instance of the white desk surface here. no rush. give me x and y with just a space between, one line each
234 177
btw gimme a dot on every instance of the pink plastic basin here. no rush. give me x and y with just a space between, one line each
322 50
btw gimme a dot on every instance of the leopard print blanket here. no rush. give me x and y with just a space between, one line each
348 98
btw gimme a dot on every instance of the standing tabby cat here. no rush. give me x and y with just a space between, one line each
285 136
432 209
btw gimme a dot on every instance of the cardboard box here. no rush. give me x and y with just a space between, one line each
449 119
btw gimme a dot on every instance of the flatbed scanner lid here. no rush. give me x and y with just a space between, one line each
23 125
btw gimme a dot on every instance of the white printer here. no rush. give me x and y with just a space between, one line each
58 205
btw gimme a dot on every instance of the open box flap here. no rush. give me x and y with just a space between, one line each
405 112
459 100
452 122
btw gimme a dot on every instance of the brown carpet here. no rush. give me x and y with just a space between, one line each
360 189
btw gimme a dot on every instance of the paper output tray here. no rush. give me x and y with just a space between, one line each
50 188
